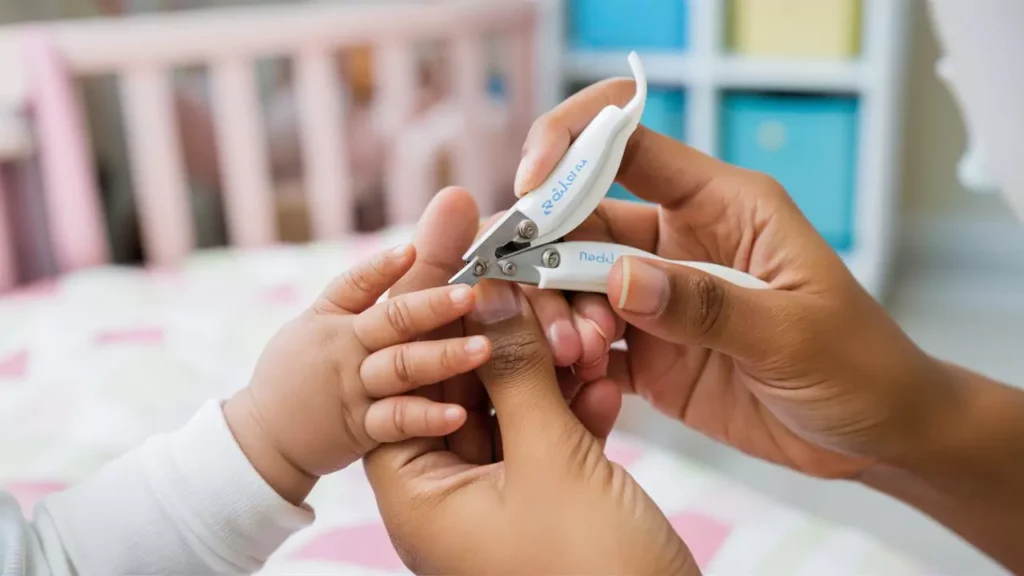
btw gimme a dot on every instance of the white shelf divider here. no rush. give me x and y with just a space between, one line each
821 76
551 54
662 68
702 109
706 69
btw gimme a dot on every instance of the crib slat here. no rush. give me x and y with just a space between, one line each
397 87
7 267
328 175
472 168
74 216
520 50
241 141
156 165
413 169
397 84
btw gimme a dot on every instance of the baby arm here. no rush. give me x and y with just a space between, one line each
221 494
188 502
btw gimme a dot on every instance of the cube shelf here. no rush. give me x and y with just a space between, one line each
814 29
804 90
628 24
808 144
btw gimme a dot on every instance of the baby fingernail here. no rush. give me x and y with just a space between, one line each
645 287
476 345
495 301
453 414
460 295
400 250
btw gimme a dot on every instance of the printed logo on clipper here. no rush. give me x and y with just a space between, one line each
564 185
602 258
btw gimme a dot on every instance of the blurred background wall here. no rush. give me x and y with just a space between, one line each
934 141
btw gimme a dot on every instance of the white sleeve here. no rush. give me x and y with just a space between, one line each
183 503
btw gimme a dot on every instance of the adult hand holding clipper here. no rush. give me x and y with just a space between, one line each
812 373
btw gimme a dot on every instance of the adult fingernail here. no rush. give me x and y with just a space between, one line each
561 331
597 362
495 301
524 174
604 337
585 325
645 287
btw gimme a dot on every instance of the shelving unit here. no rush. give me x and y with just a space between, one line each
705 70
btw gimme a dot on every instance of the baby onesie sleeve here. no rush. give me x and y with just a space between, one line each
188 502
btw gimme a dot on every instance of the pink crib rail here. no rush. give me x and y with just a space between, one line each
141 51
74 213
7 264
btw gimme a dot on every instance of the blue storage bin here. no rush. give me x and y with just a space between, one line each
627 24
665 112
809 144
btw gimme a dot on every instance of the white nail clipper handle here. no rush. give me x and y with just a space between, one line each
575 188
584 267
586 172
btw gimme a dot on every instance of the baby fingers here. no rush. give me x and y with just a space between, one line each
357 289
403 417
405 367
412 315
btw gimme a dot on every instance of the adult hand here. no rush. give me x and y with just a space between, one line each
811 374
554 505
447 229
580 328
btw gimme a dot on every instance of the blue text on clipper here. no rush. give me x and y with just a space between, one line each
601 258
563 186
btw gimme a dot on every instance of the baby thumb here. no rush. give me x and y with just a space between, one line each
535 419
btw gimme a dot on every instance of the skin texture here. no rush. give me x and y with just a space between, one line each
537 495
580 327
812 374
447 229
554 504
771 372
332 384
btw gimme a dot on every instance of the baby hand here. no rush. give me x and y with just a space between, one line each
332 384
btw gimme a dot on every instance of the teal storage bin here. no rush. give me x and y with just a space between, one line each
627 24
665 112
809 144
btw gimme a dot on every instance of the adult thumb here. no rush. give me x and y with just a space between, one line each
683 305
536 421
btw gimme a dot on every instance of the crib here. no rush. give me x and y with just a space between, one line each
481 133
